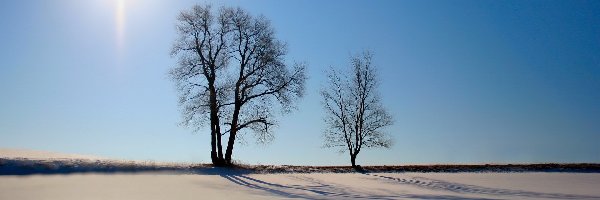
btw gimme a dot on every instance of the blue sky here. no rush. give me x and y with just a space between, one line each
466 81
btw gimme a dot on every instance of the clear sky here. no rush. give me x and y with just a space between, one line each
466 81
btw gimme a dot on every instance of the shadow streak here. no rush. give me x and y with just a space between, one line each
316 189
434 184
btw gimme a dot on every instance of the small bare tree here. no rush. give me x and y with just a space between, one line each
354 114
232 72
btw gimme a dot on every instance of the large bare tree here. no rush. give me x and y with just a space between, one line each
232 73
354 116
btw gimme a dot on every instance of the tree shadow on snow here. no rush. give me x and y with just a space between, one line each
316 189
434 184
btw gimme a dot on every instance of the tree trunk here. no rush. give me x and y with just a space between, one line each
232 134
229 150
213 153
353 160
216 153
213 143
219 146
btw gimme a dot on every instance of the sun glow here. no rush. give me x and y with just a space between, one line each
120 22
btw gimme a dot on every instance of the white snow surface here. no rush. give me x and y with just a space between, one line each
303 186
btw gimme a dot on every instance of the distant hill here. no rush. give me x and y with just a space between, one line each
42 155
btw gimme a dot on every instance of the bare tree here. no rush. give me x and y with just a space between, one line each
232 71
354 114
262 77
202 51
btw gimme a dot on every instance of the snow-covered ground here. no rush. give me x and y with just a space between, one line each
304 186
239 184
